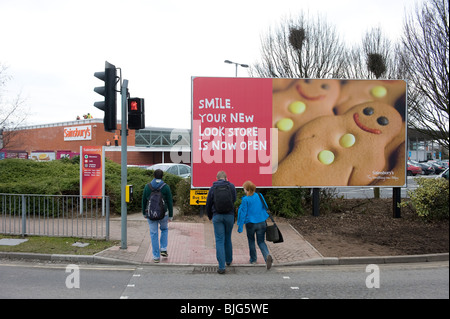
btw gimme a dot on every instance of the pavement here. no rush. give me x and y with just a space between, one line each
193 244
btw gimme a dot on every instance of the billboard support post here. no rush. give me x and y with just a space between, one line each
396 200
316 201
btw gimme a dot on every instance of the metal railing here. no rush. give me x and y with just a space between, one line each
54 215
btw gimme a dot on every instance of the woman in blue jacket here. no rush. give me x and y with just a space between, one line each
253 214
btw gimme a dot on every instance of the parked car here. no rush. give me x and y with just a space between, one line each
181 170
438 166
444 174
427 168
413 170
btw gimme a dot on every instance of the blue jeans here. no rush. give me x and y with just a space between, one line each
223 225
259 230
154 236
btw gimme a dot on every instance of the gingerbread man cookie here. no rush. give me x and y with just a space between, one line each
391 92
355 92
302 101
341 150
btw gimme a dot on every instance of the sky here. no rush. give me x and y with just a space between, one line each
52 48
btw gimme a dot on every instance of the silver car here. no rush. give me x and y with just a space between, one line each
181 170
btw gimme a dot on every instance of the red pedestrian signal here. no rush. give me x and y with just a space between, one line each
136 113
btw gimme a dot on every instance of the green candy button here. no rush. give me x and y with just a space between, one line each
326 157
297 107
285 124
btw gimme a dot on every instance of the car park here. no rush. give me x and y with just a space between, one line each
181 170
439 167
444 174
427 168
413 170
445 162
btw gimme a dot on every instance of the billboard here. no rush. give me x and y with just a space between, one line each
43 156
299 132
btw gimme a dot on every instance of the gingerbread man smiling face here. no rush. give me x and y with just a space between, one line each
341 150
302 101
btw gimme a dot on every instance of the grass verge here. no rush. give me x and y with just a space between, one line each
57 245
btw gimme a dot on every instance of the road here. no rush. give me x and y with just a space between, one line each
386 281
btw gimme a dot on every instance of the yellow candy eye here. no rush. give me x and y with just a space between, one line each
297 107
285 124
347 140
378 91
326 157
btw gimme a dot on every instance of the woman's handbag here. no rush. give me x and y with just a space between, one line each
273 234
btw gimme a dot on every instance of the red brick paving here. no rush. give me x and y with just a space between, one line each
193 244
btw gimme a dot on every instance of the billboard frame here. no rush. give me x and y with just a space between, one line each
402 153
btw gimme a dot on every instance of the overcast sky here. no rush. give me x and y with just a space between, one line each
53 47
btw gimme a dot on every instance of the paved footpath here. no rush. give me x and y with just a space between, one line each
193 244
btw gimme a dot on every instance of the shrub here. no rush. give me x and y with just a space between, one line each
183 198
430 198
62 177
286 202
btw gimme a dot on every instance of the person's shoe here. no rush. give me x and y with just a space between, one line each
164 254
156 261
228 264
269 262
221 271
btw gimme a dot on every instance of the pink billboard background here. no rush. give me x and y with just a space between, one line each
231 130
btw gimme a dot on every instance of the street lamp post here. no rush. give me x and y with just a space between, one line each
237 64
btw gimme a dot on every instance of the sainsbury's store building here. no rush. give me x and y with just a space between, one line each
54 141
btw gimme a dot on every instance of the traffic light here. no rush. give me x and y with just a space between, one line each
136 113
109 105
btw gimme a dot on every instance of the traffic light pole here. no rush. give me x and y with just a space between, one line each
123 211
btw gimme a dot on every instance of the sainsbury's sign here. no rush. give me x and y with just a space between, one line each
78 133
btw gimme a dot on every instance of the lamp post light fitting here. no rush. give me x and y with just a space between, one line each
237 64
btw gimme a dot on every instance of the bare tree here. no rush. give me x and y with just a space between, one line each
425 57
374 58
301 48
12 111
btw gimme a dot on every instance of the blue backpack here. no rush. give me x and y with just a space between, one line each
155 205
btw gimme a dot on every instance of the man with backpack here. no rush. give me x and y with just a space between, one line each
220 209
157 207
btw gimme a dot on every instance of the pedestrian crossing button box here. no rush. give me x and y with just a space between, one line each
128 193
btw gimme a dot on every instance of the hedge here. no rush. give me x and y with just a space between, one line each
62 177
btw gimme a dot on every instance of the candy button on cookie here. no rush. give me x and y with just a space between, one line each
347 140
326 157
285 124
297 107
378 91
